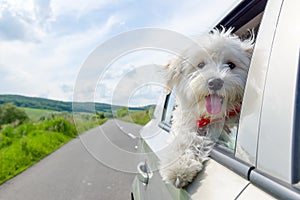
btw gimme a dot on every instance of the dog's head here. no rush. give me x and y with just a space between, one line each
213 74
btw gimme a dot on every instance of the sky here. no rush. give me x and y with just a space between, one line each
44 44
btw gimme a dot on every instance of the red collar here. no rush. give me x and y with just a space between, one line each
203 121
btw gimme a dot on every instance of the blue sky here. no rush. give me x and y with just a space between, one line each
44 43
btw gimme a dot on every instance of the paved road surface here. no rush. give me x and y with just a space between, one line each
72 173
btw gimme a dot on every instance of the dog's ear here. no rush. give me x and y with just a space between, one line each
249 50
249 42
172 73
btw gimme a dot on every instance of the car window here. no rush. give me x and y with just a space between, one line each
246 20
169 106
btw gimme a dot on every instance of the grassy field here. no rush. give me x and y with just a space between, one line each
36 114
22 145
137 117
44 131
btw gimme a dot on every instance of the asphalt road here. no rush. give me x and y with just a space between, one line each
94 166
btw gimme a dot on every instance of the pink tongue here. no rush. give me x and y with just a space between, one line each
213 104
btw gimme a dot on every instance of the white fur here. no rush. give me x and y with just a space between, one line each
188 150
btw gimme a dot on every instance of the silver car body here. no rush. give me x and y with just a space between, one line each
265 163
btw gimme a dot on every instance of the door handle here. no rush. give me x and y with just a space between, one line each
144 173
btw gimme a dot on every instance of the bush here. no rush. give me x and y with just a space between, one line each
100 115
27 151
60 125
8 131
12 114
5 141
122 112
24 129
140 117
23 145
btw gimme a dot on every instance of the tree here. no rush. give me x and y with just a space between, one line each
122 112
100 115
9 113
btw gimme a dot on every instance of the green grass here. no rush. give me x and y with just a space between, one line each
86 121
137 117
23 145
36 114
27 151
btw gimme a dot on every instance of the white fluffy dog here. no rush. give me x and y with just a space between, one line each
209 84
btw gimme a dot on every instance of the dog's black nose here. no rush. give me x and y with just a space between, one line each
215 84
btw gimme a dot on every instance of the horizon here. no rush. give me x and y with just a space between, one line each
77 102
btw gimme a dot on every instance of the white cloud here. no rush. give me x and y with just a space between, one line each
43 68
79 7
42 10
24 20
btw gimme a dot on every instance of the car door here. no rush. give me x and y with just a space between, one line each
273 117
233 173
148 183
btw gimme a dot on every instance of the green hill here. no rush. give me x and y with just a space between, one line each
48 104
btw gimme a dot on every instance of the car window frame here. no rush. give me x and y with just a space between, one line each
245 12
296 134
166 125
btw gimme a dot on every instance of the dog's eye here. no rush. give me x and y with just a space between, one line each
231 65
201 65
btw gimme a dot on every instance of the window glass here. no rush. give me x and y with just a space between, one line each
168 109
228 136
